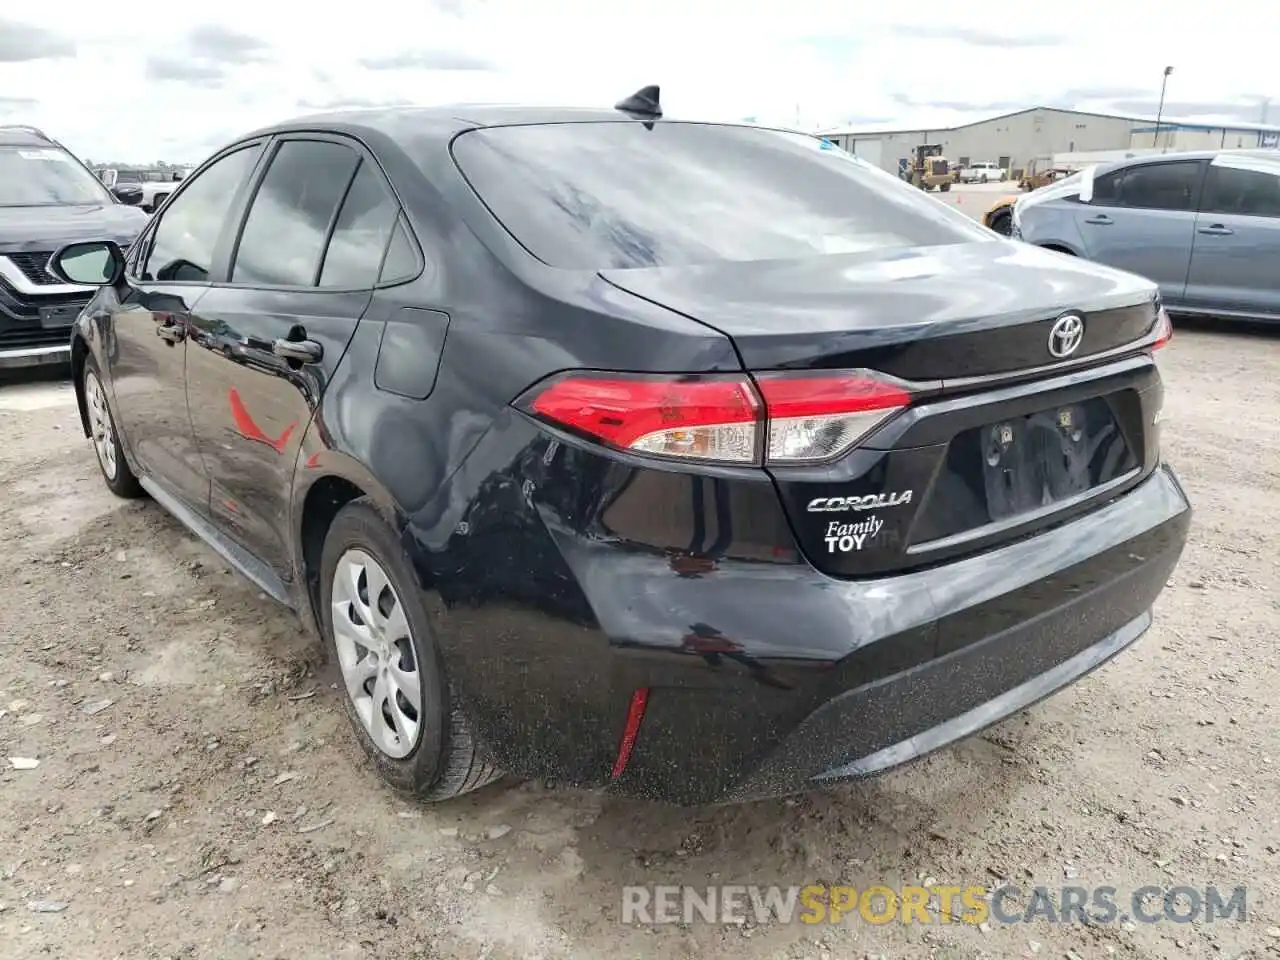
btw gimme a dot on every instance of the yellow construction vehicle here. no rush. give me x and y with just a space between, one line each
1037 177
930 168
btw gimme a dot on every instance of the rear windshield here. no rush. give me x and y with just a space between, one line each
616 195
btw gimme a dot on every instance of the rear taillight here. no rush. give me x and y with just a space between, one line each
777 418
815 418
1163 330
696 418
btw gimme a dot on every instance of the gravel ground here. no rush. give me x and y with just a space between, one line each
198 794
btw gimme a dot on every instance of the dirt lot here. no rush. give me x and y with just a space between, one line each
198 795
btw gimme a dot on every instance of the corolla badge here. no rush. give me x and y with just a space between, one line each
874 501
1066 334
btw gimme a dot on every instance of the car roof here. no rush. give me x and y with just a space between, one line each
443 122
23 137
1264 154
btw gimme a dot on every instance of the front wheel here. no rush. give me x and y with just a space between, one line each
397 697
945 186
106 440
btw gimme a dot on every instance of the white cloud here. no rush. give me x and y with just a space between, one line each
177 82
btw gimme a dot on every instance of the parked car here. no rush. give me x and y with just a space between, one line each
1205 226
156 192
48 198
983 171
697 460
153 184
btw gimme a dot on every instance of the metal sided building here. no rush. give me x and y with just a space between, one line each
1013 140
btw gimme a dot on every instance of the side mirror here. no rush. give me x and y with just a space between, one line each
128 193
92 263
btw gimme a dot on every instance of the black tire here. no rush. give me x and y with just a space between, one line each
446 761
1002 223
116 473
945 186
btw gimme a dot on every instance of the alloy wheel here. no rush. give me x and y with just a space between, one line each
104 437
376 653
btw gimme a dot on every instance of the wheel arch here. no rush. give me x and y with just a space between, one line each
324 482
1058 246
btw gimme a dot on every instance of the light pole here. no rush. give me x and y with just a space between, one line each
1160 110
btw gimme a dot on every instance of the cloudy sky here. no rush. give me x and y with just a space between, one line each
174 81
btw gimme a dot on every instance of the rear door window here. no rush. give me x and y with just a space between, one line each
622 194
292 213
1250 193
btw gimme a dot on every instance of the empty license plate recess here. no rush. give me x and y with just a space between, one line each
1035 461
1023 464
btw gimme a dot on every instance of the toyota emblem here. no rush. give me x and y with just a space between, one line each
1065 337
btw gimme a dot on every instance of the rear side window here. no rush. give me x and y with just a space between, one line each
284 235
1250 193
401 262
617 194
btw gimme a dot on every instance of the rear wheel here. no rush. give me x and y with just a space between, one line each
106 441
1002 223
397 697
944 186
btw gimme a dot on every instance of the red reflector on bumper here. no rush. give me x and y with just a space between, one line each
635 713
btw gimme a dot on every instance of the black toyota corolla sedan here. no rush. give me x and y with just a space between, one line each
701 461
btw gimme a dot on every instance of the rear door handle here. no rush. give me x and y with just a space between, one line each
1217 230
303 351
1101 220
170 332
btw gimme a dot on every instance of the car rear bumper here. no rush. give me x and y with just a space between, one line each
923 710
1010 627
49 354
767 677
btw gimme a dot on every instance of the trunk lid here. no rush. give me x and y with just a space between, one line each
971 463
925 313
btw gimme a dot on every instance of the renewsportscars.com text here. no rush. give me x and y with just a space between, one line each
938 904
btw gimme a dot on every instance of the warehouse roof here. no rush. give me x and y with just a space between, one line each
959 121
